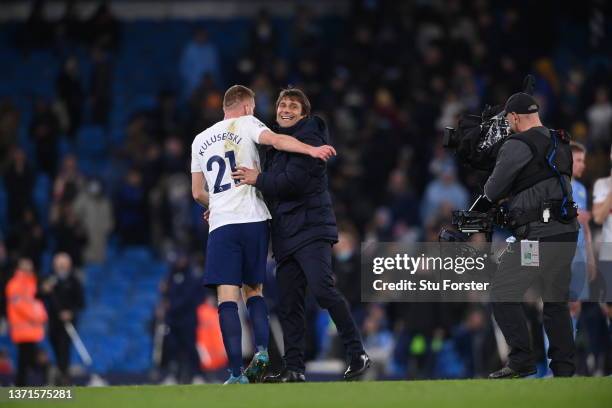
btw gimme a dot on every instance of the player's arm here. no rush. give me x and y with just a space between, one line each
291 144
601 204
591 264
288 183
198 189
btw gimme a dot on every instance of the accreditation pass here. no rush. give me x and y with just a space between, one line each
530 253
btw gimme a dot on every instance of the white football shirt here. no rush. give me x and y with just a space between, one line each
215 152
601 189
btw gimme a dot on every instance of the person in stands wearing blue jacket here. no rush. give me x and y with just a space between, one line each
303 232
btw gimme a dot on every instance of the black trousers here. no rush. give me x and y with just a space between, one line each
26 361
181 356
510 283
311 266
60 342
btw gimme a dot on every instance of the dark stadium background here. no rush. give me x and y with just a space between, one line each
98 98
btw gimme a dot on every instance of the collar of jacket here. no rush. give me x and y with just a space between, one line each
291 129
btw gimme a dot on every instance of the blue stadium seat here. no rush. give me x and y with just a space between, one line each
137 254
93 166
64 147
41 194
91 142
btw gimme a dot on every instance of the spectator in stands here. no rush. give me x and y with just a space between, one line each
306 32
346 267
27 318
5 275
172 202
131 209
377 338
264 97
584 269
94 212
445 189
403 203
208 336
70 235
263 40
64 294
68 182
9 127
104 29
70 94
205 106
474 340
101 86
45 133
200 57
19 181
137 141
26 238
183 293
37 31
164 118
419 329
599 116
69 30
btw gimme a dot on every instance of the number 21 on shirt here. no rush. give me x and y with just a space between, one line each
220 168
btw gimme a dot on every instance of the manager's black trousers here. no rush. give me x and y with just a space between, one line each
510 283
311 266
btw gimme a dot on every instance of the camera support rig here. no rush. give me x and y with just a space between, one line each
480 218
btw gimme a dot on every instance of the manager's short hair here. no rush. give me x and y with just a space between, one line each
236 94
295 94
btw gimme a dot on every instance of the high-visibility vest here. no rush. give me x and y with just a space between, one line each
209 340
26 314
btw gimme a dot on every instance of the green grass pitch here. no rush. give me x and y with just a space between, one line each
557 393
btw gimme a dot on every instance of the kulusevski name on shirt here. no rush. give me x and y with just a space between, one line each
218 138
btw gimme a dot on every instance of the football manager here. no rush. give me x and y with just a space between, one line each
303 232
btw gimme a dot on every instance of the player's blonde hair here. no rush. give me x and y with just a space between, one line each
236 94
577 147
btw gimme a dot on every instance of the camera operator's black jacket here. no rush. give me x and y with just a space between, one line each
522 175
295 188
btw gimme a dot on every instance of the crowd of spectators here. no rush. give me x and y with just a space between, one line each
388 79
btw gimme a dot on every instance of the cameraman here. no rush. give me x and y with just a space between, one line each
533 171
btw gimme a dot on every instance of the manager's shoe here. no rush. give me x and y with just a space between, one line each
359 363
285 376
241 379
257 368
508 372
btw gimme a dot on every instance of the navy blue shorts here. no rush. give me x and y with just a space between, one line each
237 254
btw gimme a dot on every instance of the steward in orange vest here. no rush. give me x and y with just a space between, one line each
26 316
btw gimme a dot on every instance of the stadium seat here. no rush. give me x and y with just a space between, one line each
41 194
91 142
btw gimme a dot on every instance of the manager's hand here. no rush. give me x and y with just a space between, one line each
324 153
245 176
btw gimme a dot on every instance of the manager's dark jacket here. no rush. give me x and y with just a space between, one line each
295 188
